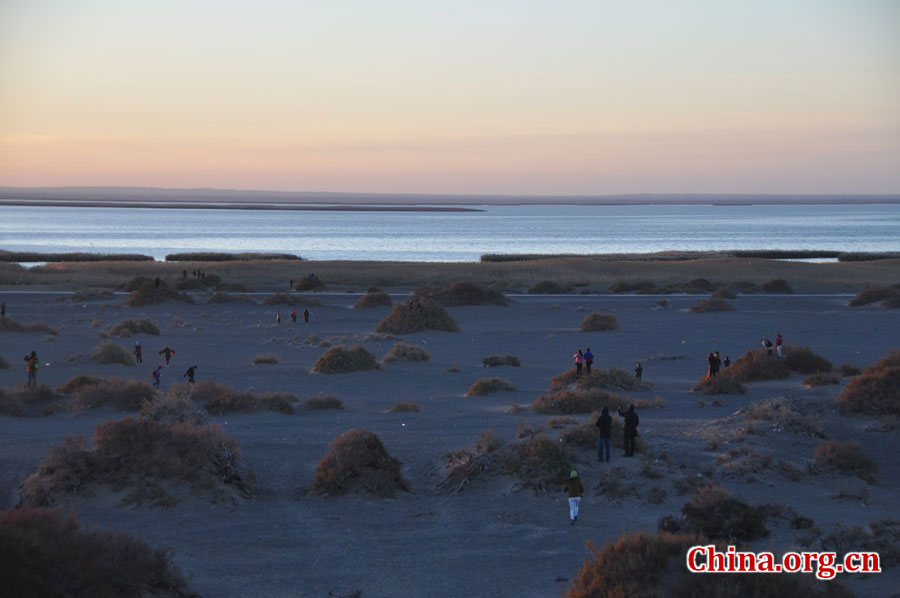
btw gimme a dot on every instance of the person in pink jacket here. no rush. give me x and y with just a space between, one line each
579 361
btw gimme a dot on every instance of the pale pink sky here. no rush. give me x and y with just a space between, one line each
453 97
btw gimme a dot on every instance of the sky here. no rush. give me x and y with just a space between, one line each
501 97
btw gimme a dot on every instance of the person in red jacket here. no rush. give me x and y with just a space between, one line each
579 361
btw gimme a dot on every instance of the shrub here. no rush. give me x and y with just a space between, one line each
846 457
248 402
497 360
342 360
221 297
597 322
723 384
781 416
310 283
716 514
778 285
373 299
49 554
292 300
174 407
11 403
485 386
265 358
10 325
847 370
403 406
463 292
570 402
357 461
324 402
124 395
547 287
539 463
427 315
821 379
135 326
871 294
90 294
757 365
803 360
149 294
110 352
713 303
402 351
876 391
466 465
136 283
612 378
130 449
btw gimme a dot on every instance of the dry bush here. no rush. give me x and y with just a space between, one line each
110 352
428 315
130 449
403 406
641 564
135 326
189 284
723 384
357 461
136 283
538 462
821 379
202 391
598 322
614 485
570 402
220 297
757 365
547 287
323 402
597 379
173 408
561 422
744 461
10 325
292 300
485 386
892 302
713 303
463 292
310 283
876 391
249 402
497 360
374 299
90 294
781 416
803 360
48 554
342 360
150 294
881 536
713 512
641 286
846 457
466 465
78 382
404 352
777 285
848 369
11 403
124 395
265 358
871 294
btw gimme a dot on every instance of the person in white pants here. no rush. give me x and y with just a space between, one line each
575 490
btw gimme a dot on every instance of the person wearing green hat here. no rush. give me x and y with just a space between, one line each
575 490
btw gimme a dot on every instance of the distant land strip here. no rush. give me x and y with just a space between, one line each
56 203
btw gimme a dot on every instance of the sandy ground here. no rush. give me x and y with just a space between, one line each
492 539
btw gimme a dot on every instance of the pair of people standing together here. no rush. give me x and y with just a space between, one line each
585 360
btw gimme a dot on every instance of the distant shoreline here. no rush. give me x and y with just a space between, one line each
69 203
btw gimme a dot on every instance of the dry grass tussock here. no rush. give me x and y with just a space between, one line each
292 300
723 384
486 386
403 406
15 401
310 283
874 294
462 292
713 303
89 392
539 463
425 315
570 402
804 360
342 360
548 287
174 407
757 365
10 325
265 358
598 322
404 352
149 294
323 402
111 352
821 379
222 297
374 299
714 513
219 399
777 285
492 361
357 461
49 554
189 284
90 294
744 462
642 564
133 326
876 391
466 465
845 457
613 378
142 453
779 415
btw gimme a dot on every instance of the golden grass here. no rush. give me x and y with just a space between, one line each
342 360
486 386
374 299
135 326
110 352
427 315
598 322
404 352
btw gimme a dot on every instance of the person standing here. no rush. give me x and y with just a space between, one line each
779 341
189 374
711 365
306 316
718 362
31 367
767 345
167 352
629 432
575 490
579 361
157 376
604 427
138 352
294 315
727 362
638 371
588 360
3 310
278 318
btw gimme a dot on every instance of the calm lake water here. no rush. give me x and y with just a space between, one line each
452 236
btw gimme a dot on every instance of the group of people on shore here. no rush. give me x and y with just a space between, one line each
778 346
293 316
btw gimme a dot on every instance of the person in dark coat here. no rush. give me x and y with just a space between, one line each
167 352
189 374
629 433
638 371
306 316
575 490
727 362
588 360
604 426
